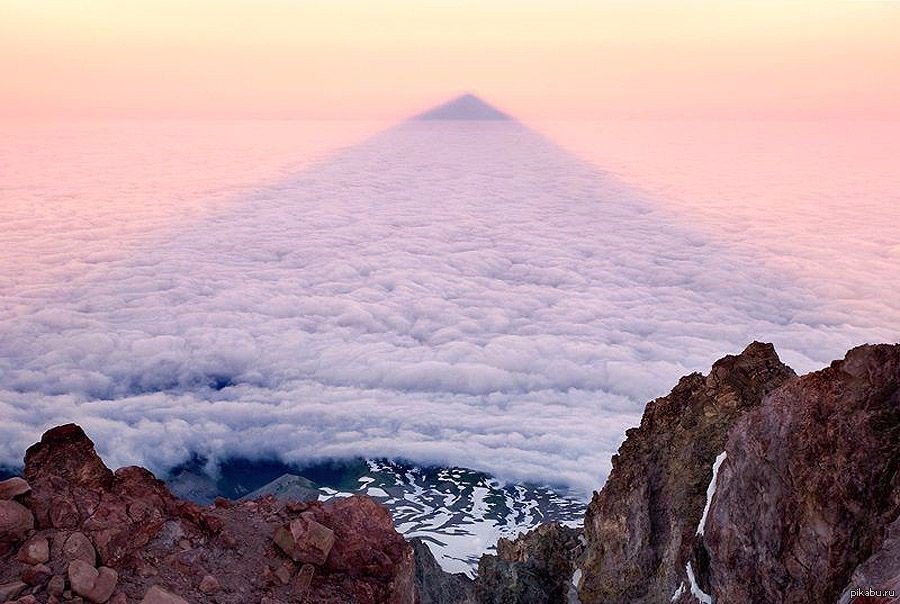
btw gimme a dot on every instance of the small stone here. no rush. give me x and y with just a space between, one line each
79 547
303 579
94 584
13 487
16 521
158 595
35 551
37 574
118 598
305 540
284 572
209 585
57 585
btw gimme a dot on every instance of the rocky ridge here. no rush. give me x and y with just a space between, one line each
74 531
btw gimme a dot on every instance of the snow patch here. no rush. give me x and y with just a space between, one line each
678 592
711 490
702 596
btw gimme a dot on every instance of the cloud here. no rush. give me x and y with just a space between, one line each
442 292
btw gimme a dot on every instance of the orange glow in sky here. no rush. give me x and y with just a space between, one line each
384 60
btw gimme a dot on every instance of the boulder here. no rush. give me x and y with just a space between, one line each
305 540
78 547
158 595
16 521
94 584
13 487
35 551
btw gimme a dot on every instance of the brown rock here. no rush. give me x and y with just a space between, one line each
158 595
118 598
16 521
284 572
305 540
10 591
209 585
303 579
94 584
78 547
641 527
13 487
810 486
37 574
35 551
57 585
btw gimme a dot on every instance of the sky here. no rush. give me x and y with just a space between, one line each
540 60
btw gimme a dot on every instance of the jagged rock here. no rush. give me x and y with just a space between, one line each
16 521
10 591
810 486
436 586
78 547
128 521
158 595
305 540
641 527
535 568
209 585
35 551
13 487
881 569
94 584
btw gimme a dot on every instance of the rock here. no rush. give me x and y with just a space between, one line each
16 521
35 551
157 595
79 547
810 488
303 580
29 599
209 585
38 574
284 572
118 598
10 591
57 585
537 567
433 584
94 584
641 527
881 570
305 540
13 487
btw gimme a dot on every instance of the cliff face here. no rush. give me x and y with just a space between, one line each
641 527
810 487
73 531
752 485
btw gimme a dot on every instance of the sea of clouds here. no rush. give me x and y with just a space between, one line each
462 293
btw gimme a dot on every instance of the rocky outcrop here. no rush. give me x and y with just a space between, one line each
537 567
810 488
436 586
78 532
641 527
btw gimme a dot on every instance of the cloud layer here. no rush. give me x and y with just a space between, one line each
456 293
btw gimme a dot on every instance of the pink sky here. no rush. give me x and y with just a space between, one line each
383 60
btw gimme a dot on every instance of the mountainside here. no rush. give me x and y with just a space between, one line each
747 485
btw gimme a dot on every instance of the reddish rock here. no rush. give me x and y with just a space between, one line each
13 487
94 584
35 551
209 585
810 487
16 521
57 585
158 595
39 574
303 580
641 527
78 547
305 540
